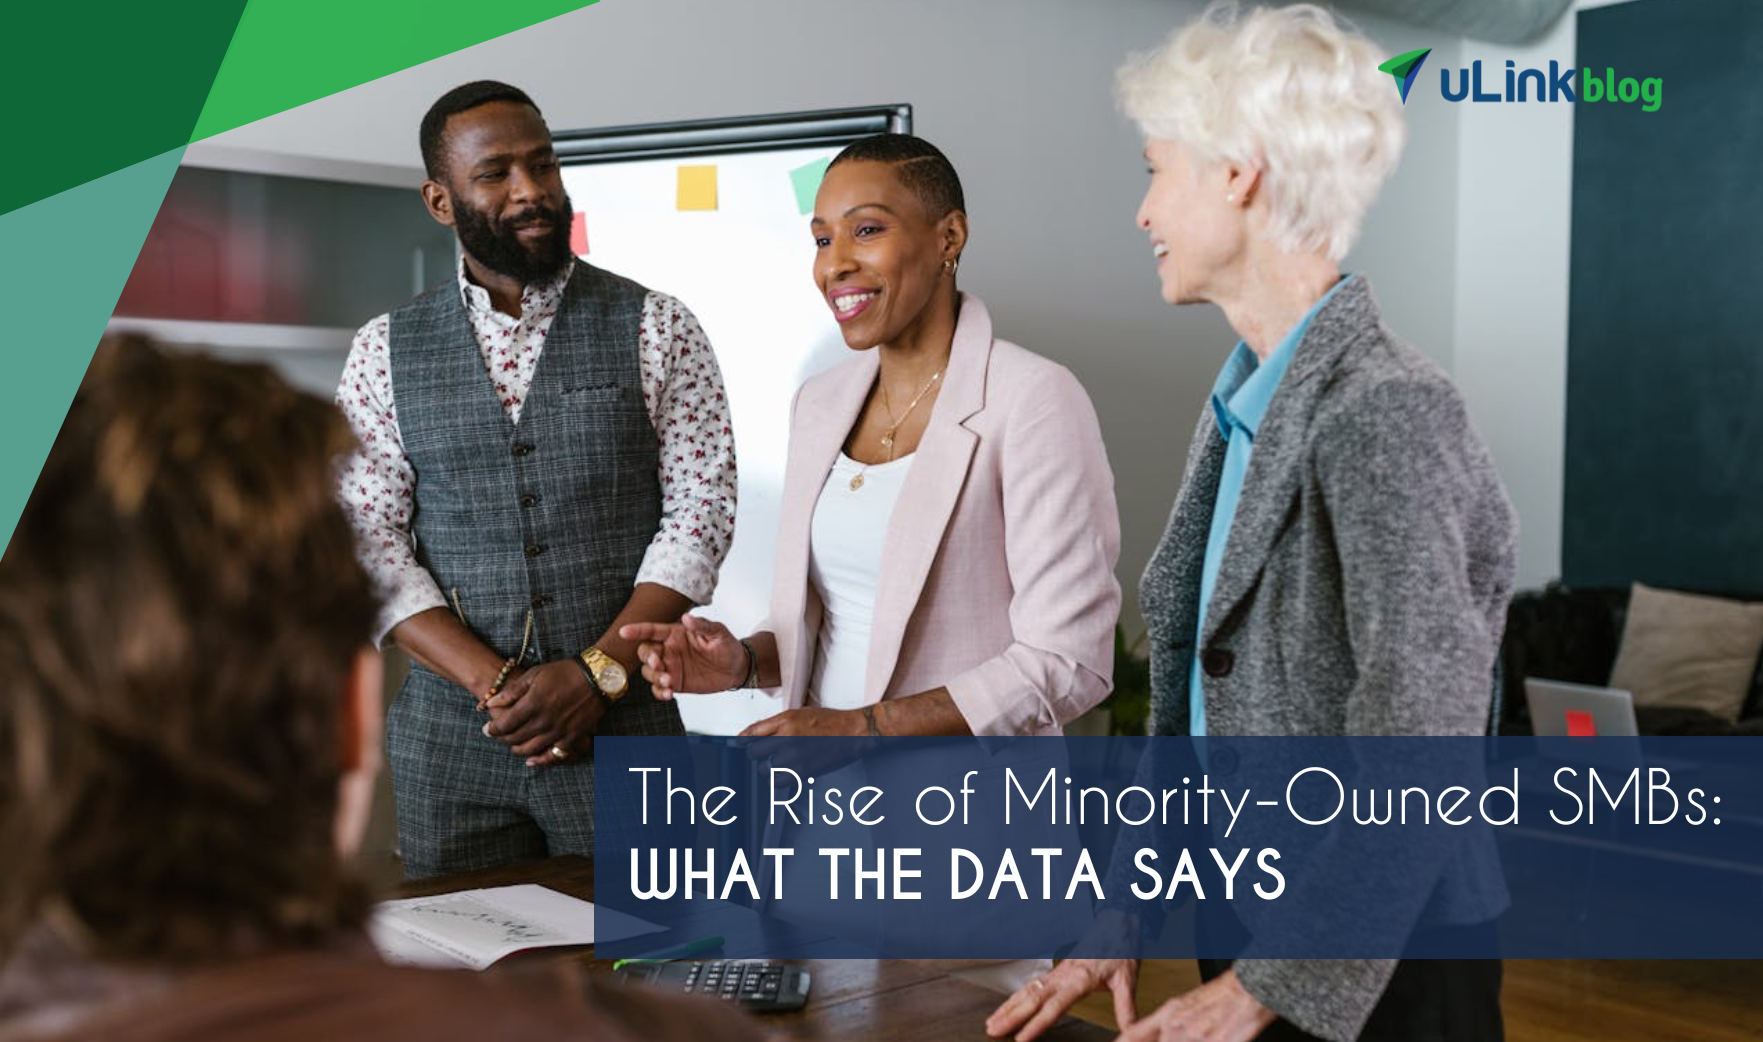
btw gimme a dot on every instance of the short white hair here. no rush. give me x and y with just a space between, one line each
1288 90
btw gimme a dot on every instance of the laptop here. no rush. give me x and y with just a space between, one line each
1562 710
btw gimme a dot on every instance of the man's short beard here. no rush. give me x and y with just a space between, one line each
496 244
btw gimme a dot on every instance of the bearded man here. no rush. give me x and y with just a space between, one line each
545 456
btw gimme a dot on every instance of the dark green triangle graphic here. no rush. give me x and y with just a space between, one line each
97 87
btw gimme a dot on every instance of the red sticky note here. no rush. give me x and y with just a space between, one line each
1580 724
578 235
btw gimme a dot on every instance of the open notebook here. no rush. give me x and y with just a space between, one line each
475 928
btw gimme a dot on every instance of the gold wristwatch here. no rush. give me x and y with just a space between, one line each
606 673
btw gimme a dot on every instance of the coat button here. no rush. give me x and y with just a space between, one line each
540 601
521 449
529 500
534 549
1217 662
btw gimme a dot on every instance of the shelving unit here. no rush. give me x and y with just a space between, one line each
254 336
277 258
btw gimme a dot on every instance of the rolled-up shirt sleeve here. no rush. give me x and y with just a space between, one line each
1061 541
377 484
682 387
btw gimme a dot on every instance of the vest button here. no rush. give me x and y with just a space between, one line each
541 600
1217 662
529 500
534 549
521 449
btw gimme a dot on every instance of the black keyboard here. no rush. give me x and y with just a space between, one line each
762 987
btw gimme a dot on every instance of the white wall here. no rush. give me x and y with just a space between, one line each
1019 93
1513 209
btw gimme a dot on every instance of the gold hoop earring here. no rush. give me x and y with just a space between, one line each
950 267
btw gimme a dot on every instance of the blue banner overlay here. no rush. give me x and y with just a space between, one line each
1176 848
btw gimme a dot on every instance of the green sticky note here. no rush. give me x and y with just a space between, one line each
806 181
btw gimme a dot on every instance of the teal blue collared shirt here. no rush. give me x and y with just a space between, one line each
1239 402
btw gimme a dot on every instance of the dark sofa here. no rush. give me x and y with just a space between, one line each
1572 634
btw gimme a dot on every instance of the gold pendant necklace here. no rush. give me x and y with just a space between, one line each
887 438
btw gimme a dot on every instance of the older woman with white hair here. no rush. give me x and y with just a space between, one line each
1341 551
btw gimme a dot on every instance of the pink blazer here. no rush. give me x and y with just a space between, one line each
998 565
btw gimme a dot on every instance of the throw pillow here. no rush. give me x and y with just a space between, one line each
1690 652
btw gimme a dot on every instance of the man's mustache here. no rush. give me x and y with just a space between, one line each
533 217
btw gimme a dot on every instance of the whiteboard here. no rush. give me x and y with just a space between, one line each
744 269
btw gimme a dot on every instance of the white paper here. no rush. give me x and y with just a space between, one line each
475 928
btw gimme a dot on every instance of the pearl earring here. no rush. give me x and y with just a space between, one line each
1230 197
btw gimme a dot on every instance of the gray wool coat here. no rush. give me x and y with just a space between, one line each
1362 591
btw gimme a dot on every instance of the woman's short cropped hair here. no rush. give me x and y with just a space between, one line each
920 165
1289 90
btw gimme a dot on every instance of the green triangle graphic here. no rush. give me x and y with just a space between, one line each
58 294
289 52
104 85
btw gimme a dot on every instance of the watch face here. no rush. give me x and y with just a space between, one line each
612 679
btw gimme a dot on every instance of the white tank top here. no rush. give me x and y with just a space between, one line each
844 565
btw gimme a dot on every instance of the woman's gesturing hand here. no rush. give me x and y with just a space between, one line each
691 656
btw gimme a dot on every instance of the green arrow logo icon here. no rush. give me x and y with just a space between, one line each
1404 67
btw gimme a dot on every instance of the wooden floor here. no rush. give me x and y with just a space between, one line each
1562 1000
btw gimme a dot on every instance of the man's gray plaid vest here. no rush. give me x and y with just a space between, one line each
551 515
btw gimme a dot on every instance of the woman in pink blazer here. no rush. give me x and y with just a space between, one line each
945 559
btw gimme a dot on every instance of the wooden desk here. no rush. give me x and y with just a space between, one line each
851 998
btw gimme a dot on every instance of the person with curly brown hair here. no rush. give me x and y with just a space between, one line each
190 734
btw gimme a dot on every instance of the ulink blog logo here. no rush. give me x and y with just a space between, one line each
1557 84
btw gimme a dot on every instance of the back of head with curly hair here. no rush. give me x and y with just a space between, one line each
180 607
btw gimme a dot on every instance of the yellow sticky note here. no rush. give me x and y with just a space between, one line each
697 188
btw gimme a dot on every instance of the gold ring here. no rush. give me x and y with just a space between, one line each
558 752
1036 985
